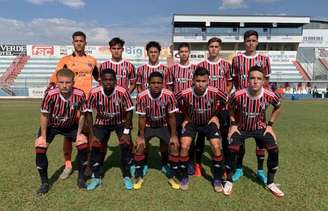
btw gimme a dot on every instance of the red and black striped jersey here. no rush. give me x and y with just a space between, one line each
181 76
241 65
63 113
201 108
110 109
157 109
250 111
125 71
219 73
145 70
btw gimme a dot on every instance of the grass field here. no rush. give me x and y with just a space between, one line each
302 136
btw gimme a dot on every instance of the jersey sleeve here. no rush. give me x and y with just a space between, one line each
132 73
84 105
172 105
127 102
168 76
91 103
141 108
46 103
139 76
275 100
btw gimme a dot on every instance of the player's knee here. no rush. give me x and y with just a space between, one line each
260 152
272 148
96 144
40 150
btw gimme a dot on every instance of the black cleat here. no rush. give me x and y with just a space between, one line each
81 184
44 188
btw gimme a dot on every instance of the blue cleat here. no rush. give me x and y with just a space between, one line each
94 183
128 183
261 176
239 173
166 170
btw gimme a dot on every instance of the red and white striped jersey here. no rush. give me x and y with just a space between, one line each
201 108
157 109
125 71
63 113
145 70
110 109
219 73
250 111
241 65
182 76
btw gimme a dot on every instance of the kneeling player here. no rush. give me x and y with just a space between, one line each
156 108
247 109
114 113
200 105
59 110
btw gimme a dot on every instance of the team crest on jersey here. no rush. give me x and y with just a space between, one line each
258 63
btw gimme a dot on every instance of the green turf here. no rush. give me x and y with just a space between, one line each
302 136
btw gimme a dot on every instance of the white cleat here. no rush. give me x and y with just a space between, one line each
227 189
275 190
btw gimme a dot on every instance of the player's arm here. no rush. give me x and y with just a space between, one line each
267 73
229 86
277 108
81 123
44 119
132 86
172 125
95 73
89 120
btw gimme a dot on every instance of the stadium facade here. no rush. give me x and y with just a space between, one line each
297 46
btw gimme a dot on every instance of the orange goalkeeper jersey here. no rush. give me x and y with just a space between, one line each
82 66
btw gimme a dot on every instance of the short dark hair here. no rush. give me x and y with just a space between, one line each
107 71
201 71
184 45
116 41
214 39
255 68
79 34
249 33
65 72
154 44
155 74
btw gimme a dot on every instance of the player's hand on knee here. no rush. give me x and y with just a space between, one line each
233 129
175 141
41 142
215 120
269 130
81 139
184 123
140 142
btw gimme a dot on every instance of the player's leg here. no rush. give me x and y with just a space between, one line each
188 133
235 142
126 156
260 155
272 163
67 149
213 134
224 130
199 149
82 147
41 159
239 165
101 134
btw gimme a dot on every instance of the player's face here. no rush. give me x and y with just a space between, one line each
156 85
255 80
108 82
200 83
184 53
65 84
79 43
214 49
153 54
251 43
116 51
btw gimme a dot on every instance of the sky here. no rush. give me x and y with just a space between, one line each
136 21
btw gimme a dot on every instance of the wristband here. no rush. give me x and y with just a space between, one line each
126 131
270 123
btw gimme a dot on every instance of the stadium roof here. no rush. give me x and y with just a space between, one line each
208 18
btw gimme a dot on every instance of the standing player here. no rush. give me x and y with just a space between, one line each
219 77
240 69
143 72
125 71
156 108
84 68
181 75
200 105
114 113
59 110
247 114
